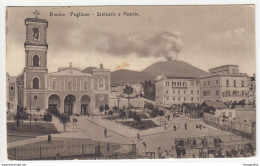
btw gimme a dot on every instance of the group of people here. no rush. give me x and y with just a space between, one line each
178 126
180 151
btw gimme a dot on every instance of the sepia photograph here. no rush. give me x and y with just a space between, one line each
130 82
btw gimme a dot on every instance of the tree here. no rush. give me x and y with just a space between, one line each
64 119
20 115
106 107
136 117
47 118
128 90
101 109
149 90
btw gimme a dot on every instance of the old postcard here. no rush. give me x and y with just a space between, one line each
130 82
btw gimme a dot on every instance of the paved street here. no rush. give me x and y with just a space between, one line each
163 139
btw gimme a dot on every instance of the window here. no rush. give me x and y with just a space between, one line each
174 84
208 82
227 83
227 93
179 99
179 91
184 84
178 84
173 92
184 92
35 34
216 81
191 91
101 84
242 83
36 61
167 83
85 85
35 83
35 97
198 91
54 85
191 83
11 88
101 97
204 83
192 99
205 93
235 83
173 98
197 83
198 98
167 92
243 93
70 85
217 93
184 98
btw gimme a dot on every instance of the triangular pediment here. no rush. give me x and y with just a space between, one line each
70 71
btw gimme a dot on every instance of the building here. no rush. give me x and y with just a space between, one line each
176 90
69 89
225 84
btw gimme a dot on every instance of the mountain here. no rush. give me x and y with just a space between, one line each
168 68
175 68
124 76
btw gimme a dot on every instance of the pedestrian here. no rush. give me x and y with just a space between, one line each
105 132
178 151
49 138
168 116
108 147
174 127
138 136
183 152
144 145
159 152
185 125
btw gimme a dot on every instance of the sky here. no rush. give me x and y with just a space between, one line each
203 36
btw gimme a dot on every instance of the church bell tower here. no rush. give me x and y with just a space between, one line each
35 71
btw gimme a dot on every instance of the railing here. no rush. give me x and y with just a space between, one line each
196 142
238 128
72 151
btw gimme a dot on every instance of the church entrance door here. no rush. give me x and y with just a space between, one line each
69 102
85 101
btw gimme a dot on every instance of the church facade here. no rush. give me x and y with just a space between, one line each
69 89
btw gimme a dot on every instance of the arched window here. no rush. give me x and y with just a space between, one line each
36 34
36 83
85 85
101 84
36 61
70 85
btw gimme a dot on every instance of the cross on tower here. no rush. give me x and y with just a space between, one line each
36 13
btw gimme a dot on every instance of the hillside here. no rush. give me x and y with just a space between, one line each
124 76
175 69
